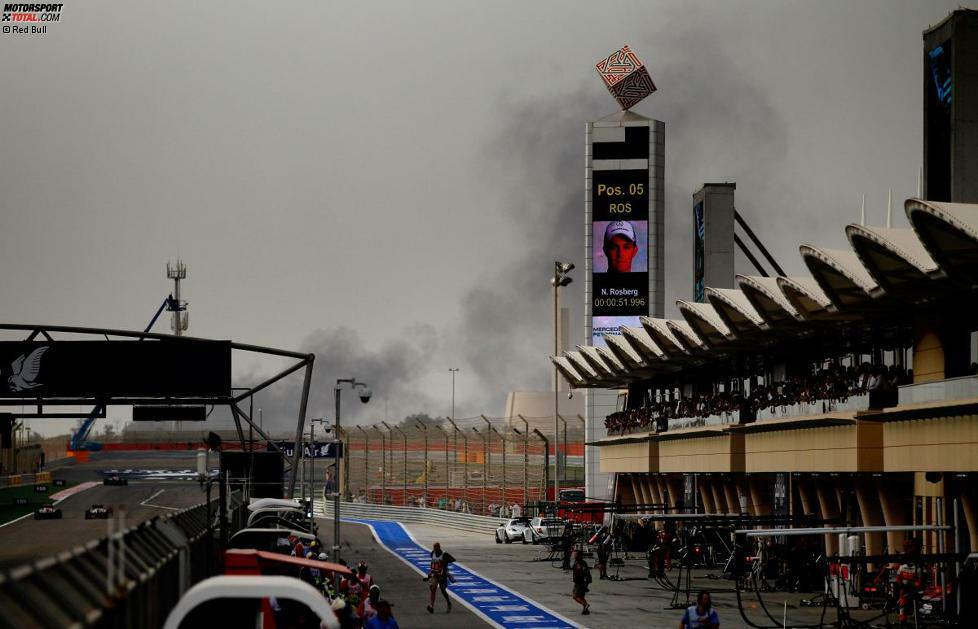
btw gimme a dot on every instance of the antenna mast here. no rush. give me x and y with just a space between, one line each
180 320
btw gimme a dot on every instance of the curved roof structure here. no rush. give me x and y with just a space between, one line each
686 335
768 299
895 258
640 341
625 353
949 232
705 322
736 311
568 371
806 297
886 272
596 359
840 274
663 337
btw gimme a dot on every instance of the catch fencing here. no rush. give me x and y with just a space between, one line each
480 462
131 578
412 515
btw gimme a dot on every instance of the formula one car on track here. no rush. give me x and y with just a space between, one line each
47 513
98 512
115 480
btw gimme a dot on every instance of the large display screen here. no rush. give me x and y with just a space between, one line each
938 97
620 249
699 253
939 60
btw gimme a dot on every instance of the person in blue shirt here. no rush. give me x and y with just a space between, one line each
384 618
701 615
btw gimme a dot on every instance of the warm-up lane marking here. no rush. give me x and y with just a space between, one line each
495 603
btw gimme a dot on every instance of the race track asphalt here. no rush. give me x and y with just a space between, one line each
27 540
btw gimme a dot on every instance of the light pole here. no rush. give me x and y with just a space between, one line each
366 461
447 483
311 476
557 452
560 278
424 430
365 393
453 370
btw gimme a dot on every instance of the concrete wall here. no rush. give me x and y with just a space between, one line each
931 445
853 448
718 453
639 456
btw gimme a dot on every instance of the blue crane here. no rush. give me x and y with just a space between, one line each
79 440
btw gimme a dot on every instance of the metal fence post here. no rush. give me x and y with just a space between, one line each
383 467
366 465
424 430
447 483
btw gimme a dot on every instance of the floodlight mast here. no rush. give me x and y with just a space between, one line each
559 279
365 394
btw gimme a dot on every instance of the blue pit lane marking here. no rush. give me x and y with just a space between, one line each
495 603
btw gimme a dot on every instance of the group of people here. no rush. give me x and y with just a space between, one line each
500 510
835 382
355 598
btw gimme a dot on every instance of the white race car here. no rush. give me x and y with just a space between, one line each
98 512
512 530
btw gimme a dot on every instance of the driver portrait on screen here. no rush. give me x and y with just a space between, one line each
620 246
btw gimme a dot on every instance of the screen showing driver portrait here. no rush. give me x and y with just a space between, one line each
622 248
620 243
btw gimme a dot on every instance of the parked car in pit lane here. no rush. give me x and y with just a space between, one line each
513 530
544 529
115 480
98 512
47 513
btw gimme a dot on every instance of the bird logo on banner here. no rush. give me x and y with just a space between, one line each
25 369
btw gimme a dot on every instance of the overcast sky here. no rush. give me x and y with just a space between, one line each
387 184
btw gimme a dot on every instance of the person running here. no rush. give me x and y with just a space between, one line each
701 615
582 579
438 577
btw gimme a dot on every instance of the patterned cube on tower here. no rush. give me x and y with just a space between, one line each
625 77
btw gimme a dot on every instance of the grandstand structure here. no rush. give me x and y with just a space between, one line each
849 394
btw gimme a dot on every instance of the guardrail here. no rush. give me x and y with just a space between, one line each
132 579
412 515
16 480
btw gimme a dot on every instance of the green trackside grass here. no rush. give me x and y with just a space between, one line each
10 510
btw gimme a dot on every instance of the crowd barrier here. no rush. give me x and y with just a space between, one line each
412 515
153 564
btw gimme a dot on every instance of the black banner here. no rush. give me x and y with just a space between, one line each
157 413
318 450
102 369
